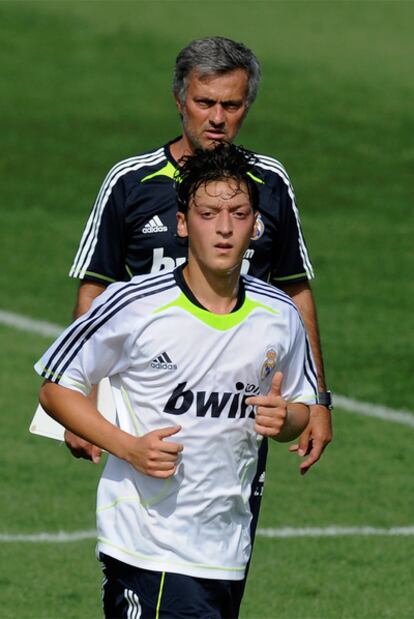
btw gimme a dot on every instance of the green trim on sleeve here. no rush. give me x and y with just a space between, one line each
258 180
67 380
220 322
99 276
129 272
289 277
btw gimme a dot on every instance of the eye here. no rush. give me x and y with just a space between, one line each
232 107
204 103
207 214
240 214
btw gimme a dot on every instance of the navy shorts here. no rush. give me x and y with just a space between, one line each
133 593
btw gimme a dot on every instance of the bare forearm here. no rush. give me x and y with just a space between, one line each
297 419
78 414
88 291
318 433
149 454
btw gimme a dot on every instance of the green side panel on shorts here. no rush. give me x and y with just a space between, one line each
220 322
157 611
168 170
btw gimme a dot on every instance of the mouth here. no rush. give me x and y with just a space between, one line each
224 247
215 135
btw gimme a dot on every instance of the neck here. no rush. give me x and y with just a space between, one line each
180 148
217 292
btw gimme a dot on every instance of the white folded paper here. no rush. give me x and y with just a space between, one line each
43 425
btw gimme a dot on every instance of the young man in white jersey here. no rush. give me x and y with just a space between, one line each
203 363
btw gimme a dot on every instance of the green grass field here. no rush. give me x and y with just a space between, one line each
85 84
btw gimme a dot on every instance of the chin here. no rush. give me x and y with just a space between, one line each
226 268
211 144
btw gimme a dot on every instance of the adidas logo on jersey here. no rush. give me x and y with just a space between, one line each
163 362
154 225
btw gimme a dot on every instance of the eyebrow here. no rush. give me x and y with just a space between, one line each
224 102
219 208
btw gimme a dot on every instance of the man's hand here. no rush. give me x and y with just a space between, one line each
152 455
317 435
81 448
271 411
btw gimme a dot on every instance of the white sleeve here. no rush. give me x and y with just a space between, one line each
96 345
299 374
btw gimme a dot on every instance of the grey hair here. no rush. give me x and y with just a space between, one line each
215 56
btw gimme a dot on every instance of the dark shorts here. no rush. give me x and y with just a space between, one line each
133 593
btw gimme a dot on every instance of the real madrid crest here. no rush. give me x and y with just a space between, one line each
258 228
269 363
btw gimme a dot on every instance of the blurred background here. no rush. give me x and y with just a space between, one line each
85 84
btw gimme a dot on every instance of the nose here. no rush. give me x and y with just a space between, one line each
224 223
217 116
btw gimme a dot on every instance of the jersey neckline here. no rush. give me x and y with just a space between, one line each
167 151
186 290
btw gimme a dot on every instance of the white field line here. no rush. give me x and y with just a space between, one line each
48 329
28 324
287 532
374 410
334 531
60 537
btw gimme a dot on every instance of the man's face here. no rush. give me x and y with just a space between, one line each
219 224
214 108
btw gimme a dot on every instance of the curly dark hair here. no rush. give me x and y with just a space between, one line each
226 161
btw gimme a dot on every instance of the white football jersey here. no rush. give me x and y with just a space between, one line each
172 362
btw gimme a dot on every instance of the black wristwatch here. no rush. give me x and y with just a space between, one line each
325 399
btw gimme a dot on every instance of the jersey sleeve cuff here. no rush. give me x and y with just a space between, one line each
91 276
290 279
63 381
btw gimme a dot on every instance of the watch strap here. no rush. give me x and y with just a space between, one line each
325 399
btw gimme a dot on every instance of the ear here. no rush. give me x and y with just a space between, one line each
182 230
254 233
178 104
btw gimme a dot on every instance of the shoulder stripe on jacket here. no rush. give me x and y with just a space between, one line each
77 334
89 237
268 163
